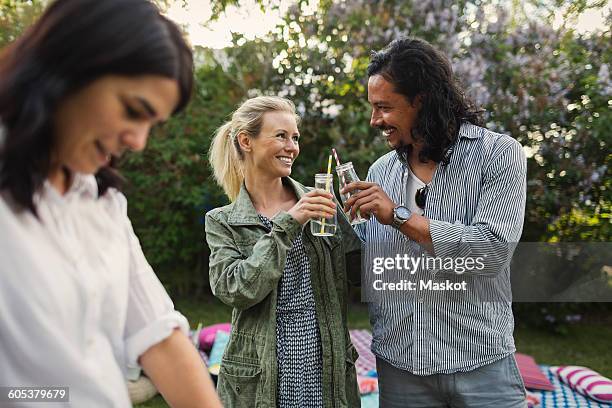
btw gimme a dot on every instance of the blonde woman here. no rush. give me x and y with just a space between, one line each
289 344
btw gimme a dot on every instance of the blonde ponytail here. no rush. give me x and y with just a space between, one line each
225 156
224 161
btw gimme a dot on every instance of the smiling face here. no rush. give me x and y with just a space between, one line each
109 116
274 150
391 112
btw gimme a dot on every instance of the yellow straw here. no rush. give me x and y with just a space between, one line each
329 161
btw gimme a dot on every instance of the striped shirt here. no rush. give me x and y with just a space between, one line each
479 197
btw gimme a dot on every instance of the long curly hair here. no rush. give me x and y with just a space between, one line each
74 43
416 68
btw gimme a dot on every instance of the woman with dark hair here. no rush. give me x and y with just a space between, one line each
81 307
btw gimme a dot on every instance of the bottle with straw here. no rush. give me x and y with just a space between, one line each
346 174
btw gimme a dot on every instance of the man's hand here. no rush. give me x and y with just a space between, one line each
371 200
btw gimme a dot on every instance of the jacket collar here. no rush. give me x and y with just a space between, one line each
243 212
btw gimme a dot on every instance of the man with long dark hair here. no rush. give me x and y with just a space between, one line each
458 190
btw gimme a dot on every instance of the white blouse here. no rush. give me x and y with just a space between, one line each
79 302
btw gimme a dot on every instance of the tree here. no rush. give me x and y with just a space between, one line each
16 16
549 87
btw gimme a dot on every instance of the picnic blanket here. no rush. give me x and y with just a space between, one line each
362 340
562 396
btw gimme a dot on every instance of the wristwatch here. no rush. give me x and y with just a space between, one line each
401 214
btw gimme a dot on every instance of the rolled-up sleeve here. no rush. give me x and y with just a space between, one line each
498 221
151 316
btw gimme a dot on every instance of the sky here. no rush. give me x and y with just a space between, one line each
249 20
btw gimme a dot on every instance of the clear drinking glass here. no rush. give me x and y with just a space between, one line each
346 174
324 227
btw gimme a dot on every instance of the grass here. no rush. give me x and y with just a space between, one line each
588 344
585 344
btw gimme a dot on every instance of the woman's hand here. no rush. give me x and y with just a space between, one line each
314 204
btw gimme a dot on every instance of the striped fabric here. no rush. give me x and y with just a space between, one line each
533 400
478 198
564 396
585 381
533 377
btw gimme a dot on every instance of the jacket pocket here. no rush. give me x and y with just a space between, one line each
334 256
245 247
331 243
238 384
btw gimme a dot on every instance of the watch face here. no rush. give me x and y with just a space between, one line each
402 212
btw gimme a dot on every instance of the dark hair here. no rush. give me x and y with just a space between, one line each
74 43
415 68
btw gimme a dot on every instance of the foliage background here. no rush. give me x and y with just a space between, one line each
550 88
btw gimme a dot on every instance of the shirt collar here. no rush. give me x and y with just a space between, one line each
84 185
469 131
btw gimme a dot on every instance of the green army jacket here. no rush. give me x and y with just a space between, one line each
246 264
